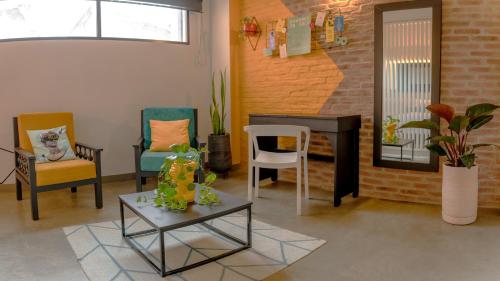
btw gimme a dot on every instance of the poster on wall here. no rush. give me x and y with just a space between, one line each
299 35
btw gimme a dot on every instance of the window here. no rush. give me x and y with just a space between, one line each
129 20
83 19
43 18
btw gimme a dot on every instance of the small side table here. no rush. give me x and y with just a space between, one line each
162 220
401 143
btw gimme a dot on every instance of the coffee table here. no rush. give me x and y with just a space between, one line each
162 220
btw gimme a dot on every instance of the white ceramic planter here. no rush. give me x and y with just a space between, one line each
460 189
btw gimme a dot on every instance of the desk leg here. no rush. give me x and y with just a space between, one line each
267 144
345 147
412 150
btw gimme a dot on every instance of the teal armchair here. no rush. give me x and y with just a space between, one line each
148 163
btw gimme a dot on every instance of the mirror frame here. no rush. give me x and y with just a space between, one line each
436 5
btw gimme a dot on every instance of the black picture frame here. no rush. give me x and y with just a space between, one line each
436 5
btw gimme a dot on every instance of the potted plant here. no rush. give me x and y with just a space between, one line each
390 125
460 172
248 26
176 187
219 142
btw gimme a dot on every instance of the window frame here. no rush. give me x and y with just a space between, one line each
99 36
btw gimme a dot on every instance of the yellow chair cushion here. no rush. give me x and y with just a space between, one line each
41 121
166 133
64 171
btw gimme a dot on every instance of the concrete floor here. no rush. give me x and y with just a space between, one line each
368 239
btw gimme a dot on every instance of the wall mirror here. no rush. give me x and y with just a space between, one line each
407 79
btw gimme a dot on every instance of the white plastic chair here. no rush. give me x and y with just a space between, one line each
275 160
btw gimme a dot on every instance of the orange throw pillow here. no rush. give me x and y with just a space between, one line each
166 133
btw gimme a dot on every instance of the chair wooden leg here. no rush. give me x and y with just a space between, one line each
73 189
34 203
250 179
257 182
299 191
98 194
138 182
19 190
306 179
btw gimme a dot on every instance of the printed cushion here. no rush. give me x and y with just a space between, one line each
51 145
166 133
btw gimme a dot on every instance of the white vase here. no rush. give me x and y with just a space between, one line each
460 189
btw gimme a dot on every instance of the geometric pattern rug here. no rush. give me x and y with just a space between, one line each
104 256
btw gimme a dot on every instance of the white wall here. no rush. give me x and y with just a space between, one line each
105 84
220 48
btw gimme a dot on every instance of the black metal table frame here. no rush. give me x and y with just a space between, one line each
161 231
412 142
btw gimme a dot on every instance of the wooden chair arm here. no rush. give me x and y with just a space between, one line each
87 152
25 162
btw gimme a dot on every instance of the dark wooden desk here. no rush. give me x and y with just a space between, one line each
343 133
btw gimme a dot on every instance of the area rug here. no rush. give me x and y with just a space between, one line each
103 255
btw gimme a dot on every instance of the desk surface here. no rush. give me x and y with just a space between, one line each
320 122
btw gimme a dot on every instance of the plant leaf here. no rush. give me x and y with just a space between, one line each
481 109
436 148
424 124
459 123
478 122
210 178
478 145
442 110
437 139
468 159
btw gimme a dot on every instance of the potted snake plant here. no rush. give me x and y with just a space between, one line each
219 142
460 171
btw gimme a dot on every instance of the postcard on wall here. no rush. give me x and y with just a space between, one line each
272 41
299 35
329 31
281 25
320 19
283 52
339 24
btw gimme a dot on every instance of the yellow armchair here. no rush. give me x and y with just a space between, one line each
40 177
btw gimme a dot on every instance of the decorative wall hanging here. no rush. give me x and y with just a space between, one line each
339 28
299 35
250 29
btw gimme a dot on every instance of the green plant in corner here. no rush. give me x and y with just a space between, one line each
218 113
454 144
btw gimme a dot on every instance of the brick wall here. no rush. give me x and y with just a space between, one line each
340 81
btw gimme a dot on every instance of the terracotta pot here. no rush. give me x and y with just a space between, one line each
460 189
250 27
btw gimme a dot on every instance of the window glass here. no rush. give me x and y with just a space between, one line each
135 20
47 18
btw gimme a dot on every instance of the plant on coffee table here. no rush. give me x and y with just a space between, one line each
176 186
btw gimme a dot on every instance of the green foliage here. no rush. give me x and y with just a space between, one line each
218 113
454 144
388 137
166 189
424 124
206 195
